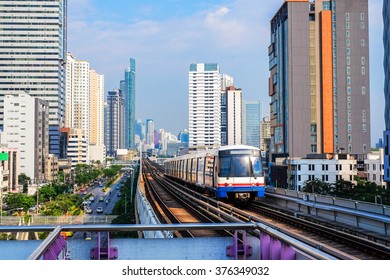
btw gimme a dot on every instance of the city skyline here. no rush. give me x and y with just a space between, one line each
166 37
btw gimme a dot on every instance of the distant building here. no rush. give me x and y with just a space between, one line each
251 118
204 85
232 107
26 127
96 115
129 96
114 122
149 132
79 95
184 136
74 146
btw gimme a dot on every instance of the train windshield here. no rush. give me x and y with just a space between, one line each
244 164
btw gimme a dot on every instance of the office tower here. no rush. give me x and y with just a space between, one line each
26 127
251 118
33 55
115 118
265 134
386 65
319 78
150 132
96 116
204 88
231 112
129 95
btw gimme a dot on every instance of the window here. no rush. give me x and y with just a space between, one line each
362 43
363 70
361 16
348 90
348 60
363 60
363 90
362 25
347 16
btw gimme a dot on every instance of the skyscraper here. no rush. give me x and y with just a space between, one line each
150 132
386 65
129 95
114 122
319 78
251 118
204 88
33 56
96 115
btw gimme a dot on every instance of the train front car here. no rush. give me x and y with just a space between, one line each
240 173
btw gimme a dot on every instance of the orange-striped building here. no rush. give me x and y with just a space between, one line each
319 78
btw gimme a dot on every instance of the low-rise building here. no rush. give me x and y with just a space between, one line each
374 167
328 168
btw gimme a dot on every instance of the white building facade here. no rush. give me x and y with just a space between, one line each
331 170
26 128
374 167
204 88
234 115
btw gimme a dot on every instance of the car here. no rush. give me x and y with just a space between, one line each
117 187
101 199
92 199
88 210
99 210
118 194
67 233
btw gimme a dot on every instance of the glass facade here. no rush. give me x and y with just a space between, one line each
129 92
386 64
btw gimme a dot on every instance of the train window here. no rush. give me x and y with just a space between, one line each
239 165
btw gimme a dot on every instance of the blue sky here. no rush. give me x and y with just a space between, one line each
165 37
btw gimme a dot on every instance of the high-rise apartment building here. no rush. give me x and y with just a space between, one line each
33 55
319 78
26 127
251 118
231 113
129 95
96 115
115 118
204 89
78 95
386 65
150 132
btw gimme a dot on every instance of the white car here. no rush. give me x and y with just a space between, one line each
99 210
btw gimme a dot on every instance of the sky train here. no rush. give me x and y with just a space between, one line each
233 172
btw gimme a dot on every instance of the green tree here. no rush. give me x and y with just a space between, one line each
15 201
316 186
24 180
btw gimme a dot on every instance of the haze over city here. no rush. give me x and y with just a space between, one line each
165 37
